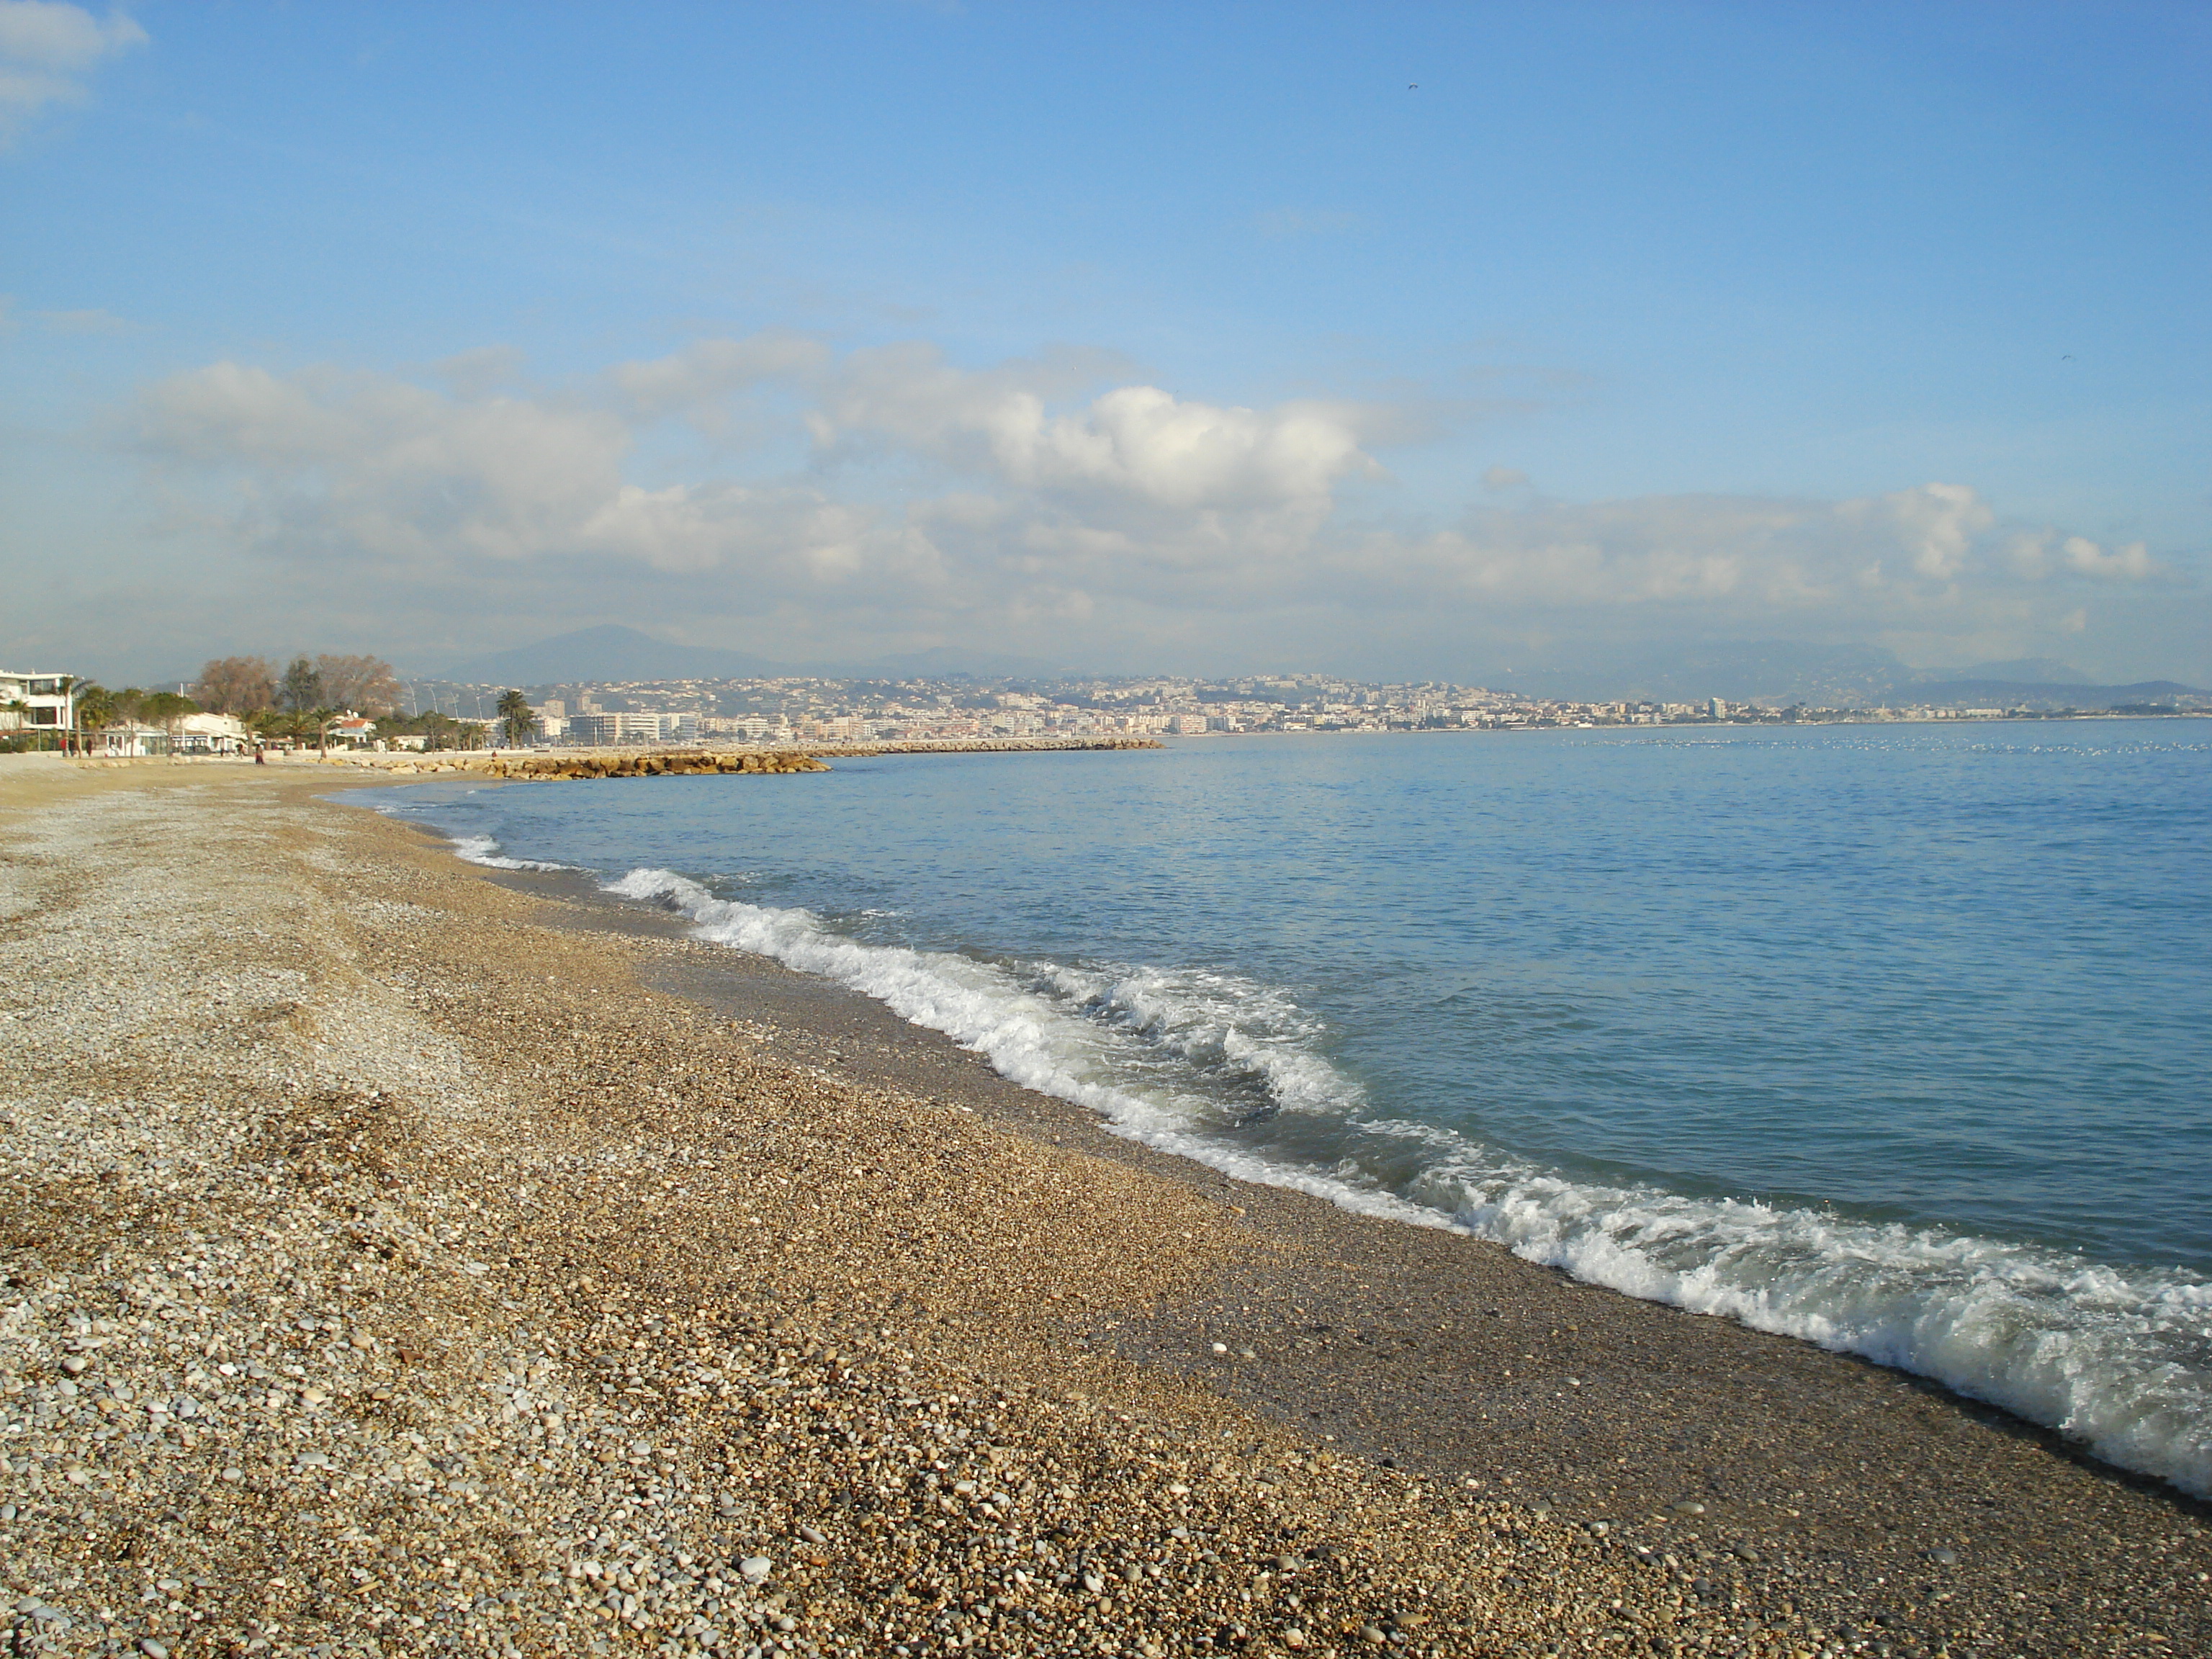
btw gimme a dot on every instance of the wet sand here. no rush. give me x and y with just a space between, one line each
664 1150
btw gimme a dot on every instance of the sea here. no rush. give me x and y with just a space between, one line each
1893 1038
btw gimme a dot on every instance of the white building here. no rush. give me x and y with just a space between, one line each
631 727
46 704
132 740
211 734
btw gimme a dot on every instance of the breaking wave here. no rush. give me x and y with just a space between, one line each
1233 1073
483 849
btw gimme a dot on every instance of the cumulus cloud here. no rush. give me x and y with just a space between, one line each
1138 442
2130 563
2037 555
45 50
935 499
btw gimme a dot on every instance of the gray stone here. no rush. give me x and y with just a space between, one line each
755 1569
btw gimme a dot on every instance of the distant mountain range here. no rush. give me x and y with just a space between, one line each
1782 672
613 652
1779 671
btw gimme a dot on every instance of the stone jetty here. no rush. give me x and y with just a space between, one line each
684 764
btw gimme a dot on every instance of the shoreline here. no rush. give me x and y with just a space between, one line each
850 1032
769 1155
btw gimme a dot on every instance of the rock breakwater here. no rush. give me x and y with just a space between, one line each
677 765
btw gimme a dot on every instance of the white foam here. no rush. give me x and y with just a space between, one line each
2122 1361
483 849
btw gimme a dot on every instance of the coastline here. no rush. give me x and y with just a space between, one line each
1069 1288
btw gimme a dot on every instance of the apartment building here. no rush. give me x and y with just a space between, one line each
36 701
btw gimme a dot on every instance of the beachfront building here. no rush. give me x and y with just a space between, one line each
132 740
210 734
632 726
36 703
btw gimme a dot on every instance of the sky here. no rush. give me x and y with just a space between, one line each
1392 340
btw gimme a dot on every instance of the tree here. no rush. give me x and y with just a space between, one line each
364 683
302 688
164 707
237 685
95 708
22 734
516 718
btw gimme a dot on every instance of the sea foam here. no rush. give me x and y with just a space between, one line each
483 849
1189 1061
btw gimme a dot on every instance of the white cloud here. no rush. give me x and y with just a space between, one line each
2036 555
1936 525
391 478
1135 441
1736 555
694 380
989 504
2130 563
46 49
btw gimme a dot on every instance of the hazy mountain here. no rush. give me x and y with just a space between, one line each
945 662
1771 670
1781 671
2043 693
2021 670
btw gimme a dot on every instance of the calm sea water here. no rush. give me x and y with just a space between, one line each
1897 1039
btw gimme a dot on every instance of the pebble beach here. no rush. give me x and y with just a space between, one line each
403 1257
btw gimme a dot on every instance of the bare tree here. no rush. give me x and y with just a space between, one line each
237 685
365 683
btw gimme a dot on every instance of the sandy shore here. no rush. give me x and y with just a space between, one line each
401 1260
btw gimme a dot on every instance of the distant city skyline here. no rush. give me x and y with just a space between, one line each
1405 344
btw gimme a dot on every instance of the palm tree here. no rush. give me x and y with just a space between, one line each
95 705
516 716
22 732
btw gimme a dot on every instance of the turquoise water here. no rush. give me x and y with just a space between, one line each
1893 1038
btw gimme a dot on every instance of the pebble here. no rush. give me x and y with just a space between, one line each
695 1334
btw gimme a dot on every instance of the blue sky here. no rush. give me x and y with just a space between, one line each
1403 340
